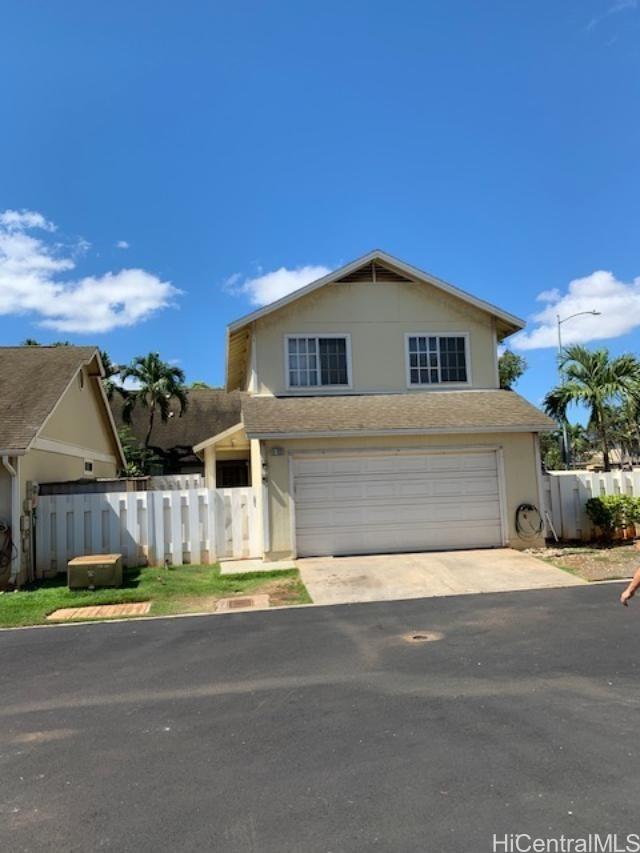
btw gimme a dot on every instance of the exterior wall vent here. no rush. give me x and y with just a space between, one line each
373 272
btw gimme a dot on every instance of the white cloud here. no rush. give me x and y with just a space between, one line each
549 295
18 220
615 9
617 301
268 287
122 244
32 281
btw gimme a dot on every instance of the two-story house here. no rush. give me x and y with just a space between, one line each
374 420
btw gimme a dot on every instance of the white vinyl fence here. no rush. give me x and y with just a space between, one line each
181 526
567 492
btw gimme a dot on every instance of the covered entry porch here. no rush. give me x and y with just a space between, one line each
227 459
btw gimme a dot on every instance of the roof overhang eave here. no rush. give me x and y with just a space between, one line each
218 437
353 433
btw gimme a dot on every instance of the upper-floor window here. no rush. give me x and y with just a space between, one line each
318 361
436 359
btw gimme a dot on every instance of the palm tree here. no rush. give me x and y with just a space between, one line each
597 381
155 383
625 428
579 441
110 370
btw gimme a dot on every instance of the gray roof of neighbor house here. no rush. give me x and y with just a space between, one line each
209 411
32 380
430 411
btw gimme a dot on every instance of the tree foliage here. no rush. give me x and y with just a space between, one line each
111 370
613 513
598 382
510 368
139 459
155 383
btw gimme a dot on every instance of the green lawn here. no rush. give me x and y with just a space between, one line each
182 589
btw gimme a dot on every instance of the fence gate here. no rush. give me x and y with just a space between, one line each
180 525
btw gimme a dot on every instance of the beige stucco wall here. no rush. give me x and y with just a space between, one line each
80 419
43 466
519 455
377 317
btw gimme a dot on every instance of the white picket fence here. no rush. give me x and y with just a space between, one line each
181 526
567 492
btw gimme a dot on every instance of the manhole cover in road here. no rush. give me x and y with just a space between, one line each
423 636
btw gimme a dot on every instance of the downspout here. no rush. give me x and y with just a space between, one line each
15 519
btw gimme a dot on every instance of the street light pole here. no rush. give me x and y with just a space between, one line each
560 321
565 436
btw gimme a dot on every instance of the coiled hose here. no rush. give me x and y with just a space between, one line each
529 522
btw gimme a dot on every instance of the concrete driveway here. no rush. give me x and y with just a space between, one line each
391 577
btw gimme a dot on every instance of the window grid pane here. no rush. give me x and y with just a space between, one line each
317 361
434 359
453 367
333 361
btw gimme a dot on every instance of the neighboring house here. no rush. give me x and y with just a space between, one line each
618 458
374 418
209 410
55 425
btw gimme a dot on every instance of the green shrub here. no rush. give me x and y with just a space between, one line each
613 513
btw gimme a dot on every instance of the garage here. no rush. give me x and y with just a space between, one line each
367 503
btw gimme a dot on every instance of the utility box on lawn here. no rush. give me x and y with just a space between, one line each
94 570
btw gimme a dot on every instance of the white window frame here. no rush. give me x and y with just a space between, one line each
92 472
436 385
316 389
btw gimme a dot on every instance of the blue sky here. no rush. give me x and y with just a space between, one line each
494 144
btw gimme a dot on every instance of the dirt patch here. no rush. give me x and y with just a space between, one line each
196 604
593 563
282 593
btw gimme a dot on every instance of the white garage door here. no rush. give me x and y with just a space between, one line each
376 503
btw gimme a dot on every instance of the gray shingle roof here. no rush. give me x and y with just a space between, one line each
437 411
209 411
32 380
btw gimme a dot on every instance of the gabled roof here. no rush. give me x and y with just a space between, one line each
32 381
375 263
384 414
394 265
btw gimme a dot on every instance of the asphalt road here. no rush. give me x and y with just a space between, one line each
322 729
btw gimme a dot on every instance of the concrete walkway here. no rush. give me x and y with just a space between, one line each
389 577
